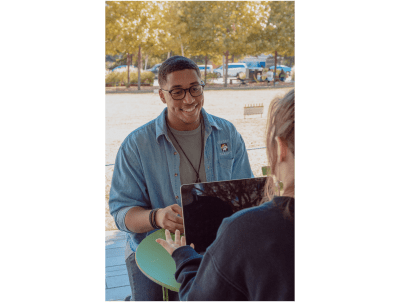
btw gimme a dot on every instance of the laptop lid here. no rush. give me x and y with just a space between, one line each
205 205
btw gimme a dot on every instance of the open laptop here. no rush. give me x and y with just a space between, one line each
205 205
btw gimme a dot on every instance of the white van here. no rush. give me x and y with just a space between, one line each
233 69
202 68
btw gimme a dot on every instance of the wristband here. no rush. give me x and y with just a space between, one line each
150 218
154 219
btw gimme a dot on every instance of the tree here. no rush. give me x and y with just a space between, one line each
193 28
279 32
210 28
199 28
130 28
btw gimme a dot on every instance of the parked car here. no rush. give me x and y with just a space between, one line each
122 68
155 69
233 69
209 68
279 67
255 66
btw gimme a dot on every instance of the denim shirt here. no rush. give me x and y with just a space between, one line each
146 172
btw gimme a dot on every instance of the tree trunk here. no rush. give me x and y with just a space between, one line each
232 59
205 71
169 54
223 64
182 50
226 68
127 61
145 64
276 61
139 65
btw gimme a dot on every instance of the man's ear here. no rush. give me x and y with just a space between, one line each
161 94
282 149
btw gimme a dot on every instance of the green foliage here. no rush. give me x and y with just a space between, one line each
112 78
199 29
280 30
122 77
146 77
210 76
109 64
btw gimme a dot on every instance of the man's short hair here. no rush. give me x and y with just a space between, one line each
175 63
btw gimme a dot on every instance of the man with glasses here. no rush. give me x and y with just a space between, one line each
183 145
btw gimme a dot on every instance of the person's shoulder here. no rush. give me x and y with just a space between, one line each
141 134
242 230
221 122
266 218
253 213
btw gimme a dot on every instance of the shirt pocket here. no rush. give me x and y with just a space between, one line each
225 168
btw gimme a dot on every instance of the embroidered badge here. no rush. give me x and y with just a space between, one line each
224 147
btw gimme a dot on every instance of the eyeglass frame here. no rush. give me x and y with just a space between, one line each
169 91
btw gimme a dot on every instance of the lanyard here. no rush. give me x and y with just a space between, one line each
201 155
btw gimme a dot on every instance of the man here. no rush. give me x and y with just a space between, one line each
270 75
282 75
183 141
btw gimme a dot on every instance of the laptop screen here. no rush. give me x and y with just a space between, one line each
205 205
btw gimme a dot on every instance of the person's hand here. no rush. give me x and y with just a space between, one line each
169 245
168 218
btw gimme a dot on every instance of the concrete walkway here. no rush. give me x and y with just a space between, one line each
117 281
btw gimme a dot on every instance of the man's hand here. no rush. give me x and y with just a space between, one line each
170 245
168 218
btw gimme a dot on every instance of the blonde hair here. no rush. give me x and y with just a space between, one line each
280 124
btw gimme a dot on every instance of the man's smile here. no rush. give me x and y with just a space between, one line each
190 109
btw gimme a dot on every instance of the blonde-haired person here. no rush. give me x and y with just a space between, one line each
252 257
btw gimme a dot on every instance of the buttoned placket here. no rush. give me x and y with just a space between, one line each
176 174
207 156
175 182
207 162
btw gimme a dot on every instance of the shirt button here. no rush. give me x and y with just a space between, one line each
176 174
176 197
175 153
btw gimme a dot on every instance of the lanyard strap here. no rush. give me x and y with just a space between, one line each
201 155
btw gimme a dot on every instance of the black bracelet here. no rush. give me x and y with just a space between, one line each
152 218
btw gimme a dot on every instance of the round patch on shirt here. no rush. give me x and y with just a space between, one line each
224 147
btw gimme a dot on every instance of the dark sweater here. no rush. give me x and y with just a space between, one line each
252 258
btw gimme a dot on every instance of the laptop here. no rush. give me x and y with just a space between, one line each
205 205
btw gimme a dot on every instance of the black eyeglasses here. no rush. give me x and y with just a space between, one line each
179 93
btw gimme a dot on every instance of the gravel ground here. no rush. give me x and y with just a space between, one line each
126 112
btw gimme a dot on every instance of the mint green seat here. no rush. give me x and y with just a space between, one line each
156 263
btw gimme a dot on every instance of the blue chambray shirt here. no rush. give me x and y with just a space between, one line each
147 161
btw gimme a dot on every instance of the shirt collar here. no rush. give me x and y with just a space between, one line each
161 124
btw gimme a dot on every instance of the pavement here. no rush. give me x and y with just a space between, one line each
117 280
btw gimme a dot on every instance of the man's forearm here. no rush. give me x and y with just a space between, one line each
137 220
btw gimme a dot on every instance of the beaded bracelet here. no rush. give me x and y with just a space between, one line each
152 218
